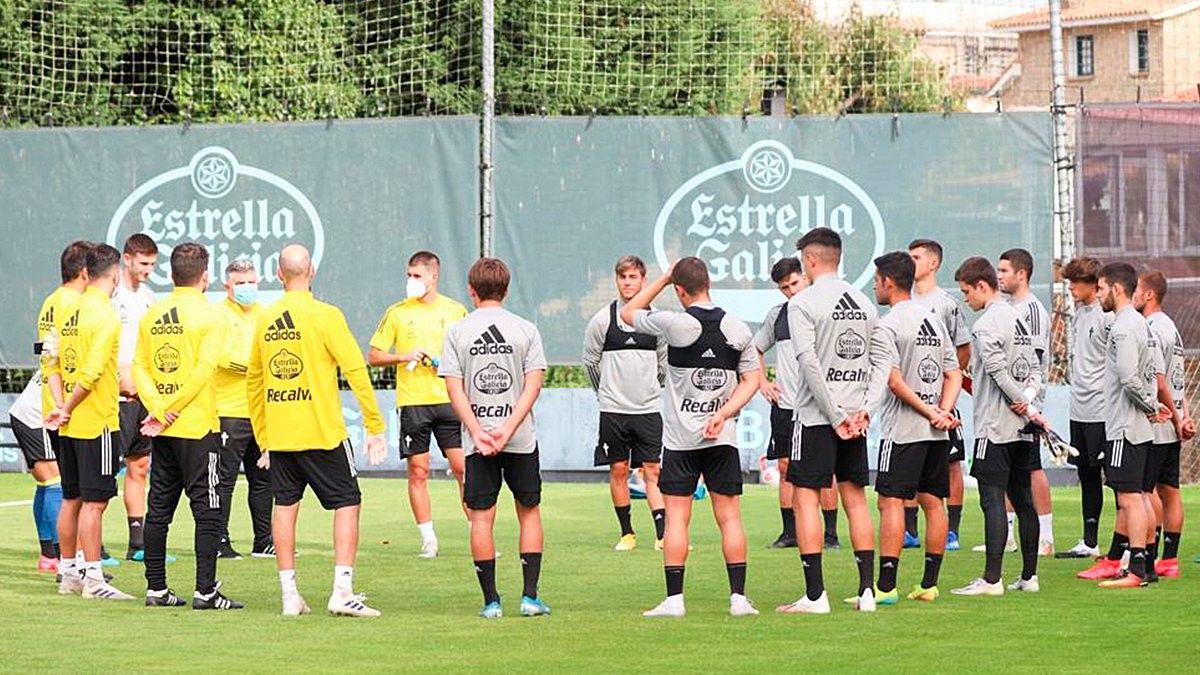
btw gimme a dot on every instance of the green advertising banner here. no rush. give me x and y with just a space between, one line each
574 194
362 195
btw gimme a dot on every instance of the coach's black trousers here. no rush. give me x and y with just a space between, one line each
239 450
178 466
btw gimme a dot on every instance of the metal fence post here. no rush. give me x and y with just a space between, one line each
488 122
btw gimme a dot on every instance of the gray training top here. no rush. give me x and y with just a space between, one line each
491 350
1003 364
1129 379
946 307
918 346
774 332
1169 348
707 350
626 368
831 324
1088 353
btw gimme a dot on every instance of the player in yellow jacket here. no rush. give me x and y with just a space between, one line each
178 344
296 411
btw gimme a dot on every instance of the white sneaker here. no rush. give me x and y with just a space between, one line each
101 590
1046 548
740 605
1082 550
866 601
71 584
294 605
672 606
1010 546
980 587
806 606
1029 585
342 603
429 549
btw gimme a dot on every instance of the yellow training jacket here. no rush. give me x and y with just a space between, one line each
87 354
57 308
179 341
291 382
235 357
412 324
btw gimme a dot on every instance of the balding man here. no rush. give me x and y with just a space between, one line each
298 346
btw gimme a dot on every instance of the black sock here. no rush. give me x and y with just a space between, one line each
910 521
830 523
1170 545
1120 543
933 567
660 522
623 518
866 569
485 570
789 521
1152 548
1137 561
814 579
531 570
954 512
1091 489
674 575
136 529
58 549
47 547
888 567
737 577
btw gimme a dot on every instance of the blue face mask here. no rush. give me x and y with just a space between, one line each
245 294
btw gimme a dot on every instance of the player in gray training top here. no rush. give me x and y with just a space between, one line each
712 371
1004 367
1090 342
917 413
627 370
927 254
1132 409
1015 272
831 324
1151 289
494 365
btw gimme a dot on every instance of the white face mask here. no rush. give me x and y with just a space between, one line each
414 288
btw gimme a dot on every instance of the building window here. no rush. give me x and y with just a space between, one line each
1084 57
1140 58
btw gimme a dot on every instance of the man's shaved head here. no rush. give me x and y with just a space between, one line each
294 262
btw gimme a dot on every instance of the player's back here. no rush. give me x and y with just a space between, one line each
1130 363
1090 326
177 336
88 352
1170 345
923 353
1000 334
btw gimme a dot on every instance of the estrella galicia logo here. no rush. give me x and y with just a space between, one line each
709 379
743 215
850 345
928 370
233 209
1020 369
166 359
1177 377
493 380
285 365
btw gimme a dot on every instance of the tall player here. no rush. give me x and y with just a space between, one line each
627 369
927 255
831 323
409 337
712 372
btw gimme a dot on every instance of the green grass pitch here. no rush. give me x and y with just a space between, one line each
429 606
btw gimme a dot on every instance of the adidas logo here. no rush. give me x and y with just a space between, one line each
631 341
490 341
927 336
1021 335
708 354
167 324
282 329
71 327
847 309
47 319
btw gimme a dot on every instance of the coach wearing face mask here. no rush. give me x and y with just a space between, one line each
409 338
240 309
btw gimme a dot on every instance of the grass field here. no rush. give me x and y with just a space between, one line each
597 595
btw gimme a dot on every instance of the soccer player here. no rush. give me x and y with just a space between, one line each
1005 365
1015 272
179 343
88 424
831 324
627 369
712 371
927 255
1090 327
300 345
494 365
132 299
1147 299
914 453
415 328
240 311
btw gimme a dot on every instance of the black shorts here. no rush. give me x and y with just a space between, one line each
958 444
818 455
521 472
37 445
999 464
1125 468
330 474
418 423
782 425
720 465
1088 439
908 468
636 439
133 443
1035 453
1163 467
89 466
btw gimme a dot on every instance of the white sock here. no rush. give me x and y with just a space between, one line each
675 600
1046 527
79 559
67 566
343 578
287 580
426 530
92 571
1011 516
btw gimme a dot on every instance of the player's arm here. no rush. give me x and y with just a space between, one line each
749 378
883 357
995 364
963 353
952 380
534 367
379 348
340 343
661 352
1126 370
255 388
643 298
104 347
804 336
764 340
142 378
593 349
961 337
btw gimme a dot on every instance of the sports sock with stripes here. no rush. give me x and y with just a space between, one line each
485 571
737 577
531 571
814 578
